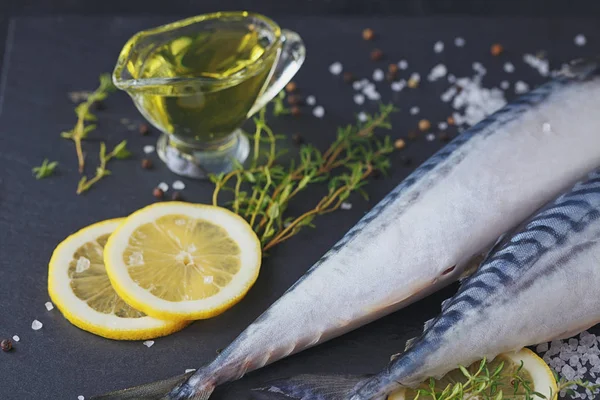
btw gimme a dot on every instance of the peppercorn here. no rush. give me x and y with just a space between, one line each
146 163
99 105
6 345
368 34
176 196
294 100
412 135
158 193
296 111
444 137
376 55
144 129
392 68
496 49
424 125
399 144
405 161
450 120
348 77
290 87
297 139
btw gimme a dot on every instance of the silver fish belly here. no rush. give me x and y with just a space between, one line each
421 235
542 284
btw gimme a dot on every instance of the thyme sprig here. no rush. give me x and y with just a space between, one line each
45 170
486 381
81 130
120 152
262 192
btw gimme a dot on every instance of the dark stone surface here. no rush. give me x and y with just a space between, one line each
48 57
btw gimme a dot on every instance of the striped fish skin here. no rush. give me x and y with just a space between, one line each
422 234
541 284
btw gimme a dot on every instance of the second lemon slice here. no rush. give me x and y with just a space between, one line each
183 261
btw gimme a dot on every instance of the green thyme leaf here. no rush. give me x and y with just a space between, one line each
45 170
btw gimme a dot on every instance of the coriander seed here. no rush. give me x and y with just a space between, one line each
393 69
158 193
290 87
399 144
376 55
450 120
296 111
6 345
368 34
424 125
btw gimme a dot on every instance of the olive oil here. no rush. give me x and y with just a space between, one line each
214 77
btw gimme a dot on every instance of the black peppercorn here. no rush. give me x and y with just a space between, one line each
144 129
158 193
6 345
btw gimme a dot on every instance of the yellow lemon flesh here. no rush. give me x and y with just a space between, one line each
534 371
180 260
79 287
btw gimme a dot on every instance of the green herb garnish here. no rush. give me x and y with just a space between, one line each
279 107
120 152
45 170
80 131
262 192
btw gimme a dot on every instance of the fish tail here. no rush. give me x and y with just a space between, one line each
312 387
174 388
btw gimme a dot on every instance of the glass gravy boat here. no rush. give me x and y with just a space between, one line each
197 80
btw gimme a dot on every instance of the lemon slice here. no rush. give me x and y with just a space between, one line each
79 287
534 371
178 260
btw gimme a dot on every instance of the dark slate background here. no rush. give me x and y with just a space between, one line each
46 57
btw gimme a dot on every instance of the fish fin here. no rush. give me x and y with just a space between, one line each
311 387
445 303
173 388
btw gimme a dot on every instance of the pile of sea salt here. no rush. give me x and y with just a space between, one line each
574 360
473 102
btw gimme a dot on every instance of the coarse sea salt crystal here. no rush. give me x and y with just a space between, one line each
378 75
430 137
451 78
163 186
336 68
80 397
398 86
504 85
542 348
149 149
346 206
311 100
319 111
474 101
82 264
521 87
149 343
459 42
362 117
438 47
359 98
208 279
509 67
190 370
414 110
372 94
437 72
542 65
415 77
36 325
442 126
357 85
449 94
580 40
16 338
178 185
49 306
403 64
479 68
